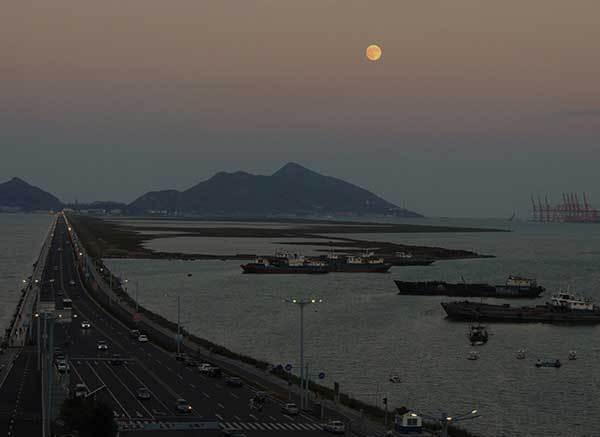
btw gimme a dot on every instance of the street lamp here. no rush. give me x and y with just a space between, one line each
301 303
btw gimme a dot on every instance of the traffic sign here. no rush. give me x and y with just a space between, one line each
288 367
322 375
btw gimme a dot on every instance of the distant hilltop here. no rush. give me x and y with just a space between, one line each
18 195
292 190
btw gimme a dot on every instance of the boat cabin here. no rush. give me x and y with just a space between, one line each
520 282
408 423
569 301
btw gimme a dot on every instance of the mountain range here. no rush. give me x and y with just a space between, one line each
18 194
292 190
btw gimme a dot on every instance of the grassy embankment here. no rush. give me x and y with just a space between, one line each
115 240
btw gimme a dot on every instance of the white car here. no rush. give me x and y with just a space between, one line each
62 366
205 368
143 338
86 325
80 390
101 345
290 409
335 427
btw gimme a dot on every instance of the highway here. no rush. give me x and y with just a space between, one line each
147 365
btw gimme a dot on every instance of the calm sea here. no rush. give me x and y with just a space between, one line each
363 332
21 238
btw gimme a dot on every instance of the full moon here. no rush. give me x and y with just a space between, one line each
373 52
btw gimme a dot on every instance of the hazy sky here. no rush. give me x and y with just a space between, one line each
474 105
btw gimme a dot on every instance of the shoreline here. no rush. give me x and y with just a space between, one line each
107 239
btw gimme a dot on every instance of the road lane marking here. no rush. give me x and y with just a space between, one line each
253 416
219 416
221 405
146 385
128 390
108 389
206 395
234 395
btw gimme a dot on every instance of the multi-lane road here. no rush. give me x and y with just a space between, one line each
147 365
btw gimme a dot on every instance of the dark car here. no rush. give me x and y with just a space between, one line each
234 381
191 362
215 372
116 360
181 356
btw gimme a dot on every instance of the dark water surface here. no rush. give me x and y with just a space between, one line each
363 331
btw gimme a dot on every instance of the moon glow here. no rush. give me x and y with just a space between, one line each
373 52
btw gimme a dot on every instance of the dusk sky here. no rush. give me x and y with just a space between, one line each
473 106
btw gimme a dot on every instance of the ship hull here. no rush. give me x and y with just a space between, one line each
473 311
439 288
358 268
282 270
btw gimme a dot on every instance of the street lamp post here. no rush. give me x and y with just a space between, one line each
301 304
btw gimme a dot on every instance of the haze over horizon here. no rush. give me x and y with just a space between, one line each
473 106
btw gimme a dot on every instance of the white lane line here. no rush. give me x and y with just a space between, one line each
108 390
234 395
219 416
206 395
128 390
253 416
180 377
237 417
146 385
192 385
221 405
273 418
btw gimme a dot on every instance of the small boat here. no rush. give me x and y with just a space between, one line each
473 355
572 355
395 379
541 363
521 354
478 335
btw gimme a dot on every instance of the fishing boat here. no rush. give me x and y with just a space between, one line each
478 335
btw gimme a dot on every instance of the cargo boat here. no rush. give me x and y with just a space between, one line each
515 287
366 263
280 265
563 308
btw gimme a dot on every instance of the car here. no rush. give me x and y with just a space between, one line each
335 427
205 368
86 325
215 372
143 338
181 356
182 406
290 409
80 391
101 345
143 393
233 381
191 362
116 360
62 366
135 333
